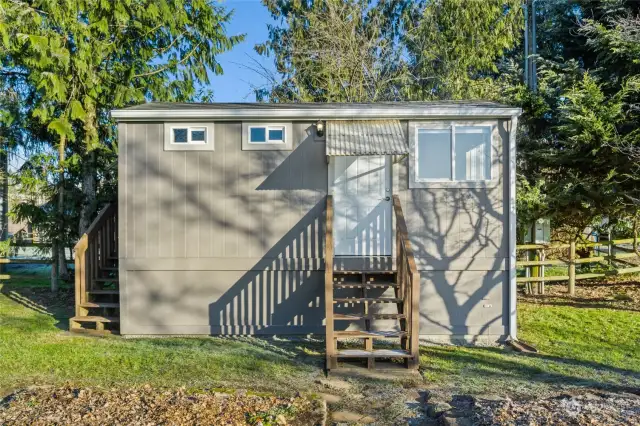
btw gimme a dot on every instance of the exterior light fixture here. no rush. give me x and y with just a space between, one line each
320 128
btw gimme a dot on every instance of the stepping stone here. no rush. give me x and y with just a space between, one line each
329 398
335 384
351 417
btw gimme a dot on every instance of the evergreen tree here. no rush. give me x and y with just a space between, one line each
75 60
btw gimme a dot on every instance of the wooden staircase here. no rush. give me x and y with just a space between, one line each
96 274
361 291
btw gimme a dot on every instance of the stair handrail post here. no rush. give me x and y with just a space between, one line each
407 269
87 258
328 285
80 272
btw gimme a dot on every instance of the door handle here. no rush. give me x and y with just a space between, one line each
387 198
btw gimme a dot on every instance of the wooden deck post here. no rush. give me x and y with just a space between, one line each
332 361
572 268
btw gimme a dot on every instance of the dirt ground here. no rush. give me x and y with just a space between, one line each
146 406
618 293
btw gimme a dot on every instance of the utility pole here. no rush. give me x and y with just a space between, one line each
526 42
534 48
530 49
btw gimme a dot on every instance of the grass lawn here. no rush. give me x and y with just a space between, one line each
579 346
36 349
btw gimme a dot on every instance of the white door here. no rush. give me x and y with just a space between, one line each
361 188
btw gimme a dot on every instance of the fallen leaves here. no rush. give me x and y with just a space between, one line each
148 406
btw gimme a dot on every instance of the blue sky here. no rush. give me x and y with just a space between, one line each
235 85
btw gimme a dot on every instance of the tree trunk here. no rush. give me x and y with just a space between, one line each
57 241
4 170
54 267
63 270
4 176
89 202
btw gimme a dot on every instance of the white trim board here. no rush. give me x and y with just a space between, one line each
381 112
513 289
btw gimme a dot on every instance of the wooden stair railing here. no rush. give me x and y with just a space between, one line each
96 257
408 280
331 344
374 288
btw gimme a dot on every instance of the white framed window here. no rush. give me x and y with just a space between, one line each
266 136
451 153
456 153
188 137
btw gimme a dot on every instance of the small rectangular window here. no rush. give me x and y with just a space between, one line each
188 136
180 135
266 134
258 134
198 135
457 153
472 153
434 154
276 135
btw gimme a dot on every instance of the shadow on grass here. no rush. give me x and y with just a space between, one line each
610 295
573 302
497 363
58 305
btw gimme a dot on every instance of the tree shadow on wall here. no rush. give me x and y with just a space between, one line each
277 212
460 240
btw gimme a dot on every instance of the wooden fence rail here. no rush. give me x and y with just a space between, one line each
536 273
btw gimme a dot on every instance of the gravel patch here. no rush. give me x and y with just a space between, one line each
585 408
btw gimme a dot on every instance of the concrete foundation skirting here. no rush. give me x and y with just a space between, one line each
463 340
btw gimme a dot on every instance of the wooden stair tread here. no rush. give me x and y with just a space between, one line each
365 285
100 305
103 292
91 332
363 272
372 334
95 319
367 299
355 317
376 353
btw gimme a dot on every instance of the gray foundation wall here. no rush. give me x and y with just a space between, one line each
231 241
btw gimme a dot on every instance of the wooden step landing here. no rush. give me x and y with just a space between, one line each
367 299
99 305
356 317
106 280
360 334
103 292
96 319
337 273
376 353
364 285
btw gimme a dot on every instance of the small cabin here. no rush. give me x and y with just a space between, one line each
354 221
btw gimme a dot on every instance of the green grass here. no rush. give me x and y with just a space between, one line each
33 350
577 347
30 275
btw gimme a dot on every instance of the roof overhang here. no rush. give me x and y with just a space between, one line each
365 137
293 113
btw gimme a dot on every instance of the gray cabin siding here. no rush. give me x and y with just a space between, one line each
460 241
231 241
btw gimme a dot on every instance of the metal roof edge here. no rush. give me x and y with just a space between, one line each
382 112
